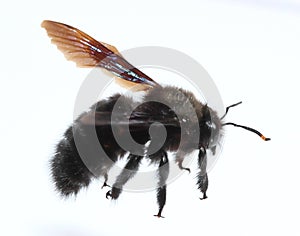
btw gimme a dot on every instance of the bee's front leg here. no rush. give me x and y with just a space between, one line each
202 175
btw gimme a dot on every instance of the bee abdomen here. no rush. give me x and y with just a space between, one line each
69 173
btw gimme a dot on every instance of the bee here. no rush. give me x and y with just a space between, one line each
70 172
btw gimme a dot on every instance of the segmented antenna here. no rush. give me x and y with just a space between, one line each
249 129
227 108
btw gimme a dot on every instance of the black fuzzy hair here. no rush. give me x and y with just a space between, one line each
68 171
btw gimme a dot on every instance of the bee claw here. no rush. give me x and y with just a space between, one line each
187 169
159 216
204 196
108 194
105 185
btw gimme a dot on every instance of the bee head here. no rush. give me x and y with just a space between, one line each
210 128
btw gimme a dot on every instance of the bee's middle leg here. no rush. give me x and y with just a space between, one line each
163 173
105 181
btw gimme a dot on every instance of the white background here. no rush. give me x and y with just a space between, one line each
250 48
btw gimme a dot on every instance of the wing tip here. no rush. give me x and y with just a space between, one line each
46 23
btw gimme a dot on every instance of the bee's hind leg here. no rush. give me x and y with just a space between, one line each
127 173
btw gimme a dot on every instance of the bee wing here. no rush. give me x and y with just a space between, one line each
136 120
85 51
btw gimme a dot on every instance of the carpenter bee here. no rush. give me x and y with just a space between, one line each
169 106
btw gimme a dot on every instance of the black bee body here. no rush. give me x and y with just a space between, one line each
70 172
189 124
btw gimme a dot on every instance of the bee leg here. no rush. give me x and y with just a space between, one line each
202 175
105 181
163 173
183 168
179 161
127 173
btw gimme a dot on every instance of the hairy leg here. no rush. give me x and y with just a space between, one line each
163 173
202 177
127 173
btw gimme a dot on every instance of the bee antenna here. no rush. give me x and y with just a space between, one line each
227 108
249 129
